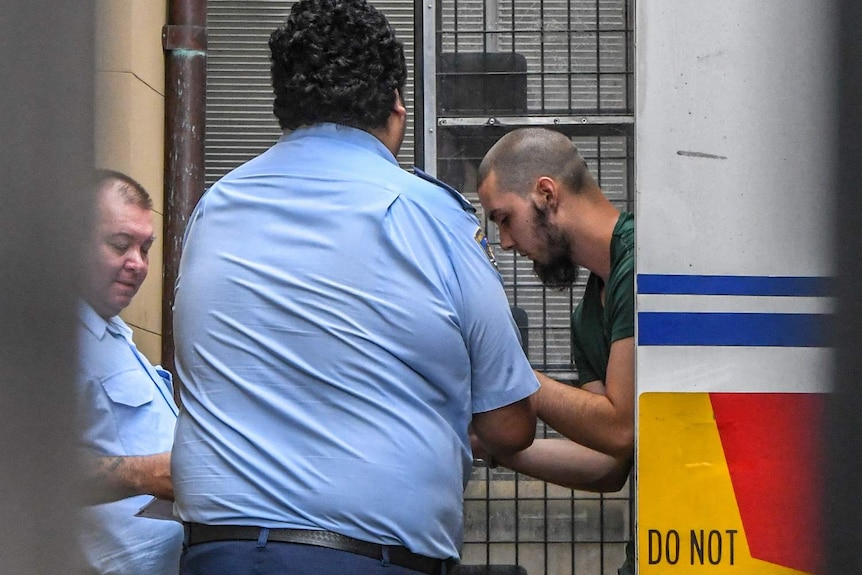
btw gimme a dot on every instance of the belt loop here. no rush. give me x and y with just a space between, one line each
385 552
262 537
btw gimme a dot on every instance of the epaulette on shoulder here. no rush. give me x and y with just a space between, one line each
464 202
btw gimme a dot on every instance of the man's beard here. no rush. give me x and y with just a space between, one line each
558 271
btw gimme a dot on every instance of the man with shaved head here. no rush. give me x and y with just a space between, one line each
536 187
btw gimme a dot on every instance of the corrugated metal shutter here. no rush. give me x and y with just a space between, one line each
240 123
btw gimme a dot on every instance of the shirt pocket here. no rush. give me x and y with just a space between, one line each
143 426
129 387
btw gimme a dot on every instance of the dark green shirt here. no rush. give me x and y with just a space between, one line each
595 326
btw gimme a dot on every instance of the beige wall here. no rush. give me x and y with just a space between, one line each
129 130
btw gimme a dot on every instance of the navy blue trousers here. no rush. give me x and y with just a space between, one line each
275 558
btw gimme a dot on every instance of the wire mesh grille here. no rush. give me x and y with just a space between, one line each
578 53
533 60
511 518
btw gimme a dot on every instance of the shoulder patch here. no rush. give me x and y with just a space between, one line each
465 203
482 240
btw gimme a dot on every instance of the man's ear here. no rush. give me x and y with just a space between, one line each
546 193
398 105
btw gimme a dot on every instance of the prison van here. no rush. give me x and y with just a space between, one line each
734 126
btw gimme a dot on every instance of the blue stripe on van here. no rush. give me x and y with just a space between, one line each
735 285
733 329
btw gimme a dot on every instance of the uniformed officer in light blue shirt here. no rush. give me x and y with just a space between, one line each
126 405
339 326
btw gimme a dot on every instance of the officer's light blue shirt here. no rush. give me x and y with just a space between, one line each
126 408
338 322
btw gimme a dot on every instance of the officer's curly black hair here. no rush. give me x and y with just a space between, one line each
335 61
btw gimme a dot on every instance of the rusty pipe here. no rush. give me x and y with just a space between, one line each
184 42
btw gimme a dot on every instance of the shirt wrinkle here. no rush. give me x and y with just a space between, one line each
388 290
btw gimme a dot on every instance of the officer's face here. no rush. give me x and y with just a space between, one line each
118 253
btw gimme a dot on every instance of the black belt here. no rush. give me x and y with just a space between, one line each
199 533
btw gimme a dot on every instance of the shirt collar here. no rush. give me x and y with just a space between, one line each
344 133
99 326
